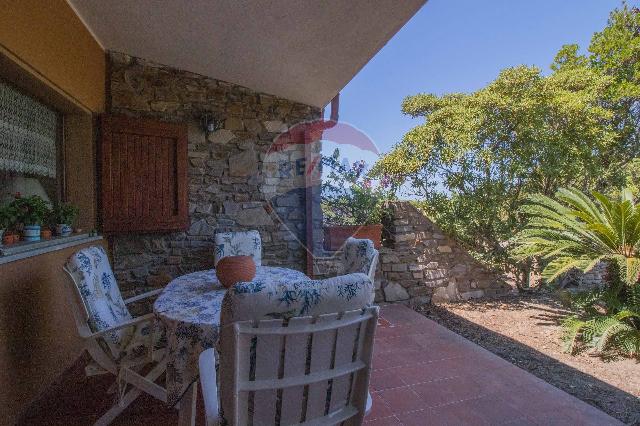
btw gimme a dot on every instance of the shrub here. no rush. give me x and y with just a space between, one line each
576 232
349 197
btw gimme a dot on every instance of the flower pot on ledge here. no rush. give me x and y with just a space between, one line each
31 232
63 230
336 235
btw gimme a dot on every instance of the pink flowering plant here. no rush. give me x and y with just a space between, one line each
349 196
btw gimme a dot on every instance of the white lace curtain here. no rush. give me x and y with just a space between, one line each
28 132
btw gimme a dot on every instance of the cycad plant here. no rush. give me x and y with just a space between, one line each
578 232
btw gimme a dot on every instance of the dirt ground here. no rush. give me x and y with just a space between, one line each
524 330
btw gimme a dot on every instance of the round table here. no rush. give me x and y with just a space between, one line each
189 310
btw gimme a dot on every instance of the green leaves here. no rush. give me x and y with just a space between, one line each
606 321
349 197
474 158
576 232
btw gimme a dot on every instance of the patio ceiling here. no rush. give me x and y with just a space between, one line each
306 51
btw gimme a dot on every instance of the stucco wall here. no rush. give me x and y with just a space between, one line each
233 182
38 338
49 38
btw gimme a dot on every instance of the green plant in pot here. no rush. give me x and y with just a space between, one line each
352 204
32 212
64 216
8 219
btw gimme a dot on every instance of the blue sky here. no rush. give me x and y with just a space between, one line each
460 46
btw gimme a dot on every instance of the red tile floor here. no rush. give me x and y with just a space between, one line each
423 374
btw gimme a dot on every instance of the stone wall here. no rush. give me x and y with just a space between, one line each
419 263
233 184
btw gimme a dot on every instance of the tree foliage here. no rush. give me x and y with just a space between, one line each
575 231
348 196
606 321
478 155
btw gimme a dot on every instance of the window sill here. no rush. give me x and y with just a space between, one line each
25 250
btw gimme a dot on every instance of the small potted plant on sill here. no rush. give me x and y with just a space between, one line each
64 216
32 212
352 204
8 219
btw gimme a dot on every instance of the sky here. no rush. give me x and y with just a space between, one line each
460 46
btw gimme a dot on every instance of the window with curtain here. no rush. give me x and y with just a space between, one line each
29 146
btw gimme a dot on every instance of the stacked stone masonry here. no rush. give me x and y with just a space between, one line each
419 263
232 183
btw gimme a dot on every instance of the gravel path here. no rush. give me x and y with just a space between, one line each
524 330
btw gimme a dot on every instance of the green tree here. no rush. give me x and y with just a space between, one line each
478 155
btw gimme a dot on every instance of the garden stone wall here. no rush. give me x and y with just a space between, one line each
231 184
420 264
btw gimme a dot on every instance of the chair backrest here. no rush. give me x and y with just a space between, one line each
360 255
243 243
97 289
282 344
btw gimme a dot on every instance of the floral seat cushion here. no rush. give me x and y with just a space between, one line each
257 300
359 254
105 307
244 243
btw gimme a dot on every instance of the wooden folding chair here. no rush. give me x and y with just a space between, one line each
117 343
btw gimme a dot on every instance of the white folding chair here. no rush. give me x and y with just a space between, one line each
360 255
239 243
117 343
297 352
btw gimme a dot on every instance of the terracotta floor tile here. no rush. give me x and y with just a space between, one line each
385 379
447 391
401 400
384 421
423 374
379 408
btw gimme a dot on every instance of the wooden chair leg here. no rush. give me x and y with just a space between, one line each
188 406
135 392
118 408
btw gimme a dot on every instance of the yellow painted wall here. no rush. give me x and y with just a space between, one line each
38 337
49 37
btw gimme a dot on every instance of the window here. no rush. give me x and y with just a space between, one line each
29 147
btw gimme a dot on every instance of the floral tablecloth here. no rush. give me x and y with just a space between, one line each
189 310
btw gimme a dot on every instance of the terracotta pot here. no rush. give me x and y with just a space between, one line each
234 269
45 234
335 236
9 239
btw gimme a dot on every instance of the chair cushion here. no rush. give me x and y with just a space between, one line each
359 254
245 243
258 300
100 294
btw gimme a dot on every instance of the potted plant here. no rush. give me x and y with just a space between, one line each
45 233
64 216
352 204
32 211
8 219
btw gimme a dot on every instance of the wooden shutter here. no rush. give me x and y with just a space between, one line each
143 175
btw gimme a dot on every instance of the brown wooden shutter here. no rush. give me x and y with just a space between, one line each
143 175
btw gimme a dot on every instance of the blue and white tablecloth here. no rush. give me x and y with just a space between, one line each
189 310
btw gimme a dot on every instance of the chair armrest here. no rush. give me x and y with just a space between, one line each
143 296
134 321
209 386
